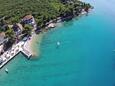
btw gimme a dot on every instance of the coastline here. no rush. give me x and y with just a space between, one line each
32 43
30 46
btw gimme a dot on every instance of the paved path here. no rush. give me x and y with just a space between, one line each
15 50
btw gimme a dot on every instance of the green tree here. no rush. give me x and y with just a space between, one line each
10 35
28 29
42 10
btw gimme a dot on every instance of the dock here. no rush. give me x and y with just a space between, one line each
10 54
26 53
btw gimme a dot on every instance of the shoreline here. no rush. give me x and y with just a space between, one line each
32 43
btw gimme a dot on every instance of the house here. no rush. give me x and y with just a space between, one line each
17 28
29 19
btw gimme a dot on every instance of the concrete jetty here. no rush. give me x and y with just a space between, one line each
15 50
26 53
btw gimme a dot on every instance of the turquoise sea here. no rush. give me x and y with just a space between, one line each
84 58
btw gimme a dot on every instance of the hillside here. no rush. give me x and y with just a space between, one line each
42 10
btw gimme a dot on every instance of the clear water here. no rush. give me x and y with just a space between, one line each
85 57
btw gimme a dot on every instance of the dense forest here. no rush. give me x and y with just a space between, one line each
42 10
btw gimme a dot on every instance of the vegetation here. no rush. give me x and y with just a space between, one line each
27 30
10 34
12 11
42 10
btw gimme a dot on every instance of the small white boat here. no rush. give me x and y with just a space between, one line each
58 43
6 70
51 25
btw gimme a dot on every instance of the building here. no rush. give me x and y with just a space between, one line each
17 28
29 19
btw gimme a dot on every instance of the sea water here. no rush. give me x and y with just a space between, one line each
85 57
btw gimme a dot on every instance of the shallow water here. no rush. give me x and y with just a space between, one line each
84 58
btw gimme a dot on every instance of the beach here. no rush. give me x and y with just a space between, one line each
30 44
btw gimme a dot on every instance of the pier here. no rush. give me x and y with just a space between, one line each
26 53
10 54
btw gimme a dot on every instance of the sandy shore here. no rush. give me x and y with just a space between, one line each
33 44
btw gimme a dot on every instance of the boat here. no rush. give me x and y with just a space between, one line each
58 43
6 70
51 25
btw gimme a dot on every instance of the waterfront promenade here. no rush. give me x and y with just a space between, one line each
15 50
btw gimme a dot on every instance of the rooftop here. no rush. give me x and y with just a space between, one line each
27 17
